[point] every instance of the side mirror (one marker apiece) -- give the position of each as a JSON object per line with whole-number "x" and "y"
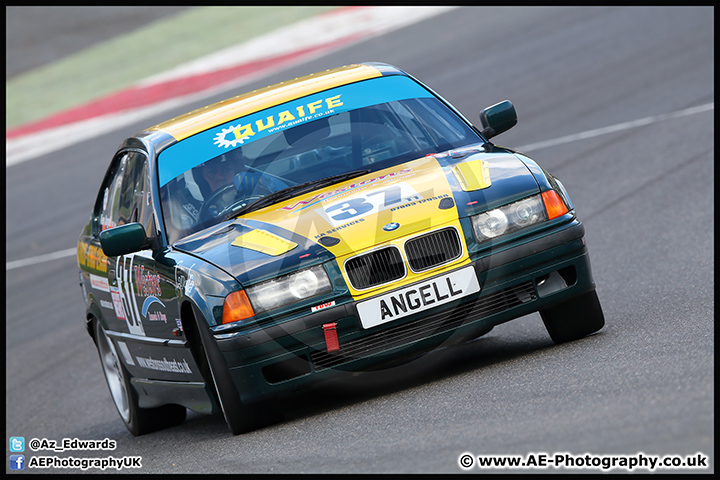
{"x": 497, "y": 119}
{"x": 124, "y": 239}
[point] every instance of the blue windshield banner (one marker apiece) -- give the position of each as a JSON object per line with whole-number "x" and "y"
{"x": 199, "y": 148}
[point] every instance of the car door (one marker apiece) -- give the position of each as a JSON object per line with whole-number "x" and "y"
{"x": 142, "y": 313}
{"x": 135, "y": 296}
{"x": 118, "y": 207}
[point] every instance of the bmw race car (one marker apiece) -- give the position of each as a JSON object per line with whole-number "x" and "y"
{"x": 336, "y": 222}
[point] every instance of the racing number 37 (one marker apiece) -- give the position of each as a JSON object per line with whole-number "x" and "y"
{"x": 372, "y": 202}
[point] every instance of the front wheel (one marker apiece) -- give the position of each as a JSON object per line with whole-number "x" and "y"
{"x": 240, "y": 417}
{"x": 137, "y": 420}
{"x": 575, "y": 318}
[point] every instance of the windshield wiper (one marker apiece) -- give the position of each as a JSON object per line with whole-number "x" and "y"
{"x": 294, "y": 190}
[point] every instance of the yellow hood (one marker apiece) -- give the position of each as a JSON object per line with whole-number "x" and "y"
{"x": 367, "y": 211}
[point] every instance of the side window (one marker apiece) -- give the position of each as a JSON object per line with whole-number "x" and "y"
{"x": 126, "y": 211}
{"x": 111, "y": 195}
{"x": 143, "y": 197}
{"x": 133, "y": 205}
{"x": 126, "y": 196}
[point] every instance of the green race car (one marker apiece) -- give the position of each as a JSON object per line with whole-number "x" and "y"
{"x": 336, "y": 222}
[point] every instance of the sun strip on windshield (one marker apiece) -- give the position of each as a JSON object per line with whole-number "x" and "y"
{"x": 206, "y": 145}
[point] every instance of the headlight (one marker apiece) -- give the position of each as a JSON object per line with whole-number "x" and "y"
{"x": 510, "y": 218}
{"x": 289, "y": 289}
{"x": 491, "y": 224}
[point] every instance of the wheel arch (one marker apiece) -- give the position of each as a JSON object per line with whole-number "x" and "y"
{"x": 93, "y": 313}
{"x": 190, "y": 327}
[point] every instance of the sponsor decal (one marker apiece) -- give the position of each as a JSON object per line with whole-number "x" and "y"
{"x": 164, "y": 365}
{"x": 419, "y": 202}
{"x": 118, "y": 304}
{"x": 303, "y": 204}
{"x": 370, "y": 202}
{"x": 148, "y": 302}
{"x": 126, "y": 291}
{"x": 337, "y": 229}
{"x": 184, "y": 281}
{"x": 147, "y": 284}
{"x": 99, "y": 283}
{"x": 203, "y": 146}
{"x": 106, "y": 304}
{"x": 93, "y": 258}
{"x": 157, "y": 317}
{"x": 233, "y": 136}
{"x": 317, "y": 308}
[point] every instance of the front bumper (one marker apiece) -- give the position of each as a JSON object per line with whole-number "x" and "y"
{"x": 514, "y": 282}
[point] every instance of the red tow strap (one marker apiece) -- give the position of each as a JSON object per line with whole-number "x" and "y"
{"x": 331, "y": 338}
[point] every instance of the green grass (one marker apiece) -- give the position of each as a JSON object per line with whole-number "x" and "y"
{"x": 119, "y": 63}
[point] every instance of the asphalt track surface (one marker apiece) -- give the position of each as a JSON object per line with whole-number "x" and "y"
{"x": 644, "y": 384}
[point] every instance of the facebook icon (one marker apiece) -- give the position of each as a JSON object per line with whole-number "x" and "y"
{"x": 17, "y": 462}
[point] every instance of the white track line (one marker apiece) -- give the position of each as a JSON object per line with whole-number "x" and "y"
{"x": 48, "y": 257}
{"x": 617, "y": 127}
{"x": 324, "y": 29}
{"x": 359, "y": 23}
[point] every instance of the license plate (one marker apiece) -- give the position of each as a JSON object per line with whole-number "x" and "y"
{"x": 418, "y": 297}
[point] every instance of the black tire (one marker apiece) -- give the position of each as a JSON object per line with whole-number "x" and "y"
{"x": 240, "y": 417}
{"x": 138, "y": 421}
{"x": 575, "y": 318}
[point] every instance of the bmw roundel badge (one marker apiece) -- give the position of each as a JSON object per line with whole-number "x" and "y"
{"x": 391, "y": 226}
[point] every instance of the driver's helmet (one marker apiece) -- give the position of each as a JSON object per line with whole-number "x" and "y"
{"x": 209, "y": 177}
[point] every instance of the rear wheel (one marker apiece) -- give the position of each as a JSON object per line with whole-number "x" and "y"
{"x": 575, "y": 318}
{"x": 137, "y": 420}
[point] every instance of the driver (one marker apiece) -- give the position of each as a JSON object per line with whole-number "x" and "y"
{"x": 218, "y": 174}
{"x": 206, "y": 191}
{"x": 202, "y": 183}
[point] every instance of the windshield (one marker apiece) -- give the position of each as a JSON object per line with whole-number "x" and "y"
{"x": 203, "y": 182}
